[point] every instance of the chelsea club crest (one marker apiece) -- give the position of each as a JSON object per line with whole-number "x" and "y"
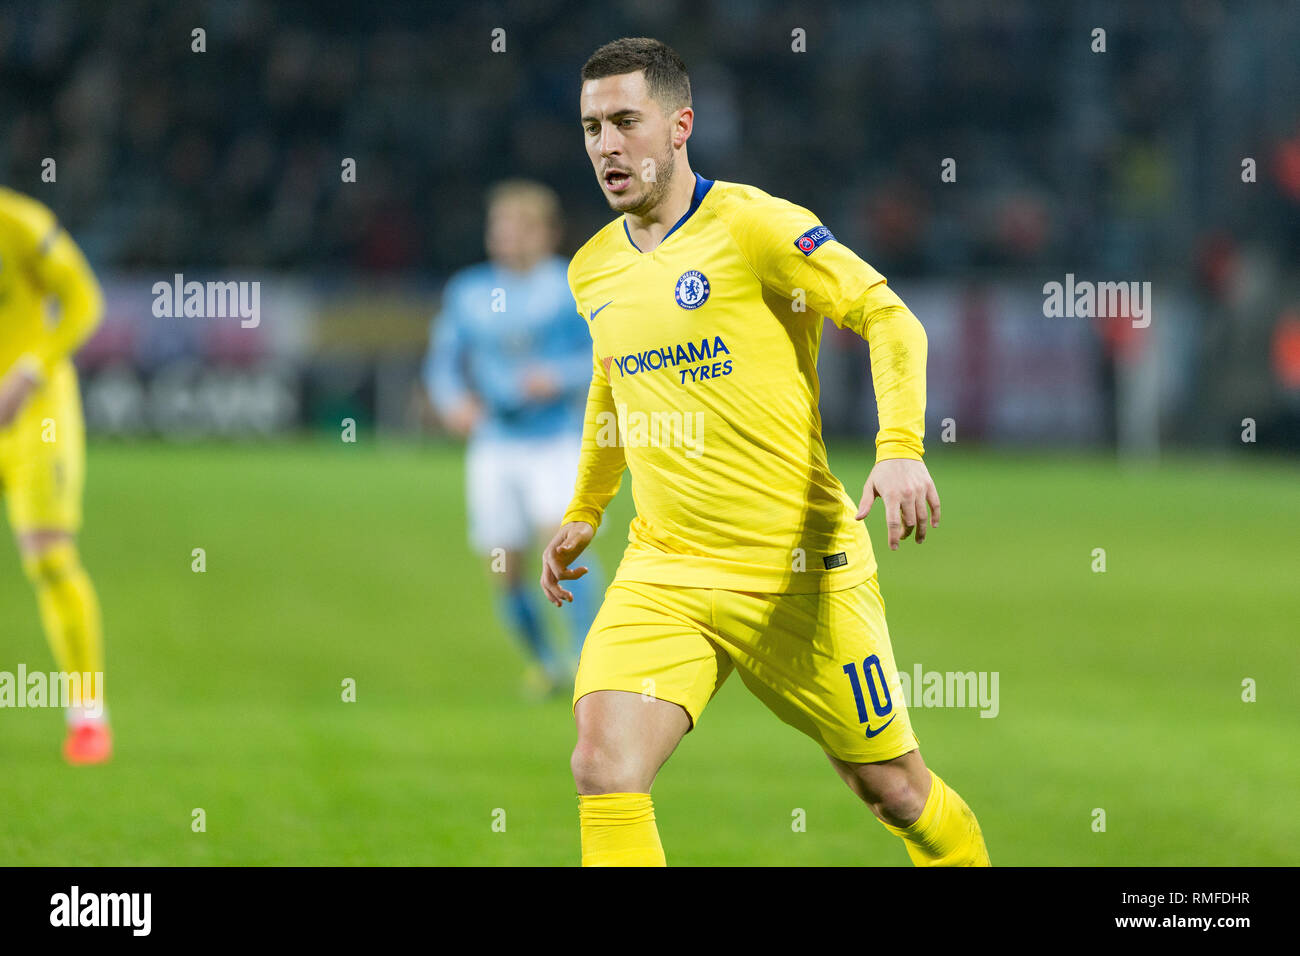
{"x": 692, "y": 289}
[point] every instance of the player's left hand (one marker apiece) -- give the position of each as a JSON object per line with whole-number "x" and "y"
{"x": 906, "y": 487}
{"x": 15, "y": 388}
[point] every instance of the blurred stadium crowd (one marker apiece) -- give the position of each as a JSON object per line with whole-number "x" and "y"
{"x": 1123, "y": 165}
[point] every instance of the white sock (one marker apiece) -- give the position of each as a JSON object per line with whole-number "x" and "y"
{"x": 86, "y": 715}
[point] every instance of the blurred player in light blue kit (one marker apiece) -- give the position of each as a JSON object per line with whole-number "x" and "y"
{"x": 508, "y": 367}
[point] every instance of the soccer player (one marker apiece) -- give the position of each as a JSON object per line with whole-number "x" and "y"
{"x": 508, "y": 367}
{"x": 49, "y": 305}
{"x": 704, "y": 300}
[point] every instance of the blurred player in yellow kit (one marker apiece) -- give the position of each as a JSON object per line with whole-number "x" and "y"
{"x": 704, "y": 301}
{"x": 50, "y": 302}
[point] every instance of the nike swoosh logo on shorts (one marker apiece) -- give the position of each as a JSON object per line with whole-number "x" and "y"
{"x": 872, "y": 733}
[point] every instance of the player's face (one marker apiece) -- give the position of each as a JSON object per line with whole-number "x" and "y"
{"x": 518, "y": 235}
{"x": 629, "y": 141}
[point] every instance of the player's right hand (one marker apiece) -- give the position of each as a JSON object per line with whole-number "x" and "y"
{"x": 569, "y": 542}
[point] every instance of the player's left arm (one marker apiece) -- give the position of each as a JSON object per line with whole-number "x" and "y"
{"x": 56, "y": 267}
{"x": 796, "y": 256}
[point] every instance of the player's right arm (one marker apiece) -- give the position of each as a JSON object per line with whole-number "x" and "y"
{"x": 600, "y": 472}
{"x": 56, "y": 267}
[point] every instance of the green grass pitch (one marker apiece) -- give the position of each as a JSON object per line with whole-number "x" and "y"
{"x": 1119, "y": 690}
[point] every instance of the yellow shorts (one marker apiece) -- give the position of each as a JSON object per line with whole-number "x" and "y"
{"x": 43, "y": 457}
{"x": 821, "y": 662}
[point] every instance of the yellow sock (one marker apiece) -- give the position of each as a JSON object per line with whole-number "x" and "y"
{"x": 946, "y": 833}
{"x": 618, "y": 829}
{"x": 70, "y": 615}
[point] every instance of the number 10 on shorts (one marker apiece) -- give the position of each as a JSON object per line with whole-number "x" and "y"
{"x": 873, "y": 675}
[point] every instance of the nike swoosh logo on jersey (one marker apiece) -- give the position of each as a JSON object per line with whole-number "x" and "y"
{"x": 872, "y": 733}
{"x": 597, "y": 312}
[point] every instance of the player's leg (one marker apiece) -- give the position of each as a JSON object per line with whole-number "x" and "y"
{"x": 69, "y": 611}
{"x": 499, "y": 529}
{"x": 647, "y": 671}
{"x": 914, "y": 803}
{"x": 550, "y": 487}
{"x": 895, "y": 790}
{"x": 623, "y": 740}
{"x": 44, "y": 502}
{"x": 823, "y": 663}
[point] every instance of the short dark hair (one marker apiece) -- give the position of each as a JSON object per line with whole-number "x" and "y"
{"x": 665, "y": 73}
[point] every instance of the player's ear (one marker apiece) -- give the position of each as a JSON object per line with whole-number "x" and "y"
{"x": 682, "y": 123}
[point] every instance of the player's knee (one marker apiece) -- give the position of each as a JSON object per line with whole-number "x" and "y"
{"x": 48, "y": 559}
{"x": 900, "y": 806}
{"x": 892, "y": 795}
{"x": 600, "y": 768}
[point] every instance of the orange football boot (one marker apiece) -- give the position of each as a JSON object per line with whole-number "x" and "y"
{"x": 88, "y": 742}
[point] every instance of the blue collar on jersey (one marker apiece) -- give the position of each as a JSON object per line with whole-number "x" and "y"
{"x": 702, "y": 186}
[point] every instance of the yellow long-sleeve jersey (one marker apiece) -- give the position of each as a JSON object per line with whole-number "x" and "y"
{"x": 50, "y": 302}
{"x": 704, "y": 386}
